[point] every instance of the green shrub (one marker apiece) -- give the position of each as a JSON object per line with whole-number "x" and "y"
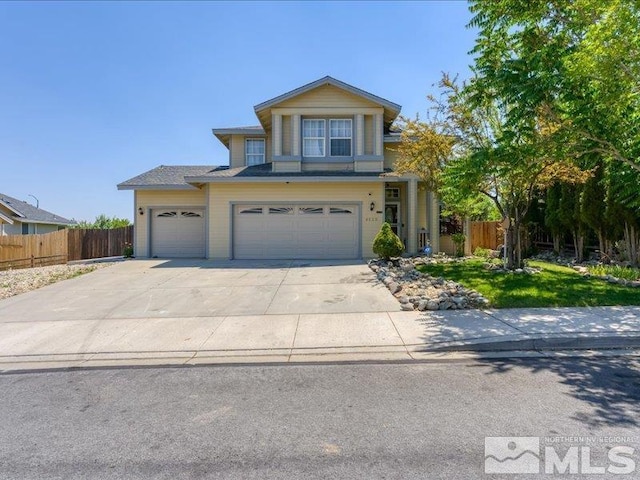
{"x": 458, "y": 240}
{"x": 127, "y": 250}
{"x": 483, "y": 252}
{"x": 387, "y": 244}
{"x": 626, "y": 273}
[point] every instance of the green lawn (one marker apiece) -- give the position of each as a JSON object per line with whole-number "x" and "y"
{"x": 555, "y": 286}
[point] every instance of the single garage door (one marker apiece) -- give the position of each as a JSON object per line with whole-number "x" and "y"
{"x": 177, "y": 232}
{"x": 296, "y": 231}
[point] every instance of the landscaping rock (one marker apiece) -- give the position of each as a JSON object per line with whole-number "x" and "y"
{"x": 394, "y": 287}
{"x": 419, "y": 290}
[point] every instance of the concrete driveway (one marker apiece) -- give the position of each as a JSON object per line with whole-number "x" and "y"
{"x": 193, "y": 288}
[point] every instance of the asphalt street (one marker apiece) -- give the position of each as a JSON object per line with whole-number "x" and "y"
{"x": 310, "y": 421}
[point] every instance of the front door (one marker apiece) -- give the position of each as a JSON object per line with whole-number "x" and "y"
{"x": 393, "y": 218}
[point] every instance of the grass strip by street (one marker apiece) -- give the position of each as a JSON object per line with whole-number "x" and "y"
{"x": 554, "y": 286}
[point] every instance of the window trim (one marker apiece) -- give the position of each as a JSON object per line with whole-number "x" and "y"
{"x": 324, "y": 138}
{"x": 246, "y": 151}
{"x": 350, "y": 138}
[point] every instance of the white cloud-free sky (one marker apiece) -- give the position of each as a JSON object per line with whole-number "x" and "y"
{"x": 94, "y": 93}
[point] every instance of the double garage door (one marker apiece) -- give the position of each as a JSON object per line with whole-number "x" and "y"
{"x": 178, "y": 232}
{"x": 300, "y": 231}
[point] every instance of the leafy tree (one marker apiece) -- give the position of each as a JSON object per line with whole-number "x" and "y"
{"x": 593, "y": 209}
{"x": 104, "y": 222}
{"x": 569, "y": 216}
{"x": 486, "y": 155}
{"x": 577, "y": 61}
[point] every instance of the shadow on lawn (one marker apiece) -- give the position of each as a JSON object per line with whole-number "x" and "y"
{"x": 554, "y": 286}
{"x": 611, "y": 386}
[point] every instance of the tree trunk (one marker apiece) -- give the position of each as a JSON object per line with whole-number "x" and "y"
{"x": 579, "y": 247}
{"x": 513, "y": 247}
{"x": 602, "y": 245}
{"x": 556, "y": 243}
{"x": 632, "y": 244}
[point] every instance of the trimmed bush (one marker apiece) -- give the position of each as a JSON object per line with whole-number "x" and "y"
{"x": 387, "y": 244}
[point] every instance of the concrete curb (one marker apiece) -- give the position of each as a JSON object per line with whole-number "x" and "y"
{"x": 547, "y": 342}
{"x": 542, "y": 348}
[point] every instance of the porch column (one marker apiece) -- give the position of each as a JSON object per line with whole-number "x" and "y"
{"x": 412, "y": 216}
{"x": 378, "y": 134}
{"x": 277, "y": 135}
{"x": 359, "y": 135}
{"x": 295, "y": 135}
{"x": 434, "y": 222}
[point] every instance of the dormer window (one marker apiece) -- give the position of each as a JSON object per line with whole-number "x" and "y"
{"x": 313, "y": 133}
{"x": 340, "y": 137}
{"x": 254, "y": 151}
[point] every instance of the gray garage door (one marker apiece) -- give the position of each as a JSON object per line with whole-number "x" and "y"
{"x": 177, "y": 232}
{"x": 296, "y": 231}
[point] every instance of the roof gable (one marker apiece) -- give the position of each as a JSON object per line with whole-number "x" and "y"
{"x": 328, "y": 81}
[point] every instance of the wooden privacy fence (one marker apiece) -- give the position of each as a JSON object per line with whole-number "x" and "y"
{"x": 24, "y": 251}
{"x": 485, "y": 235}
{"x": 96, "y": 243}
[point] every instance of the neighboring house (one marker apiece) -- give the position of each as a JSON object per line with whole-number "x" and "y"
{"x": 314, "y": 180}
{"x": 21, "y": 218}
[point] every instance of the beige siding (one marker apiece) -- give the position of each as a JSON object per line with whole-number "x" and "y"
{"x": 237, "y": 147}
{"x": 390, "y": 156}
{"x": 327, "y": 96}
{"x": 286, "y": 166}
{"x": 286, "y": 135}
{"x": 368, "y": 166}
{"x": 223, "y": 195}
{"x": 323, "y": 166}
{"x": 446, "y": 245}
{"x": 368, "y": 135}
{"x": 149, "y": 199}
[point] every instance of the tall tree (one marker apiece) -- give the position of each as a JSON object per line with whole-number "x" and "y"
{"x": 485, "y": 155}
{"x": 577, "y": 61}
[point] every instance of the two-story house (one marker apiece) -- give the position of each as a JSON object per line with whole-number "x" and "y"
{"x": 314, "y": 180}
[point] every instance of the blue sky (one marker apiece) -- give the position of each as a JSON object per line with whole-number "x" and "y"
{"x": 94, "y": 93}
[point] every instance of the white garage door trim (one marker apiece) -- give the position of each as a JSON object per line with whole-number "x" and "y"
{"x": 251, "y": 240}
{"x": 185, "y": 237}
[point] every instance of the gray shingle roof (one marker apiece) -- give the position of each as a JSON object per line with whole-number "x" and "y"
{"x": 167, "y": 176}
{"x": 29, "y": 213}
{"x": 264, "y": 170}
{"x": 251, "y": 129}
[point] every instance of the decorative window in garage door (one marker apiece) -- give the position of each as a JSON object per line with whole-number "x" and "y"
{"x": 250, "y": 210}
{"x": 281, "y": 210}
{"x": 191, "y": 214}
{"x": 311, "y": 210}
{"x": 167, "y": 214}
{"x": 340, "y": 210}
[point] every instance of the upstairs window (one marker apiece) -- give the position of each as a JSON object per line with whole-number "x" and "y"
{"x": 313, "y": 134}
{"x": 340, "y": 137}
{"x": 255, "y": 151}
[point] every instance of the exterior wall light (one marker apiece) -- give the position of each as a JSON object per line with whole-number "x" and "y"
{"x": 372, "y": 206}
{"x": 140, "y": 211}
